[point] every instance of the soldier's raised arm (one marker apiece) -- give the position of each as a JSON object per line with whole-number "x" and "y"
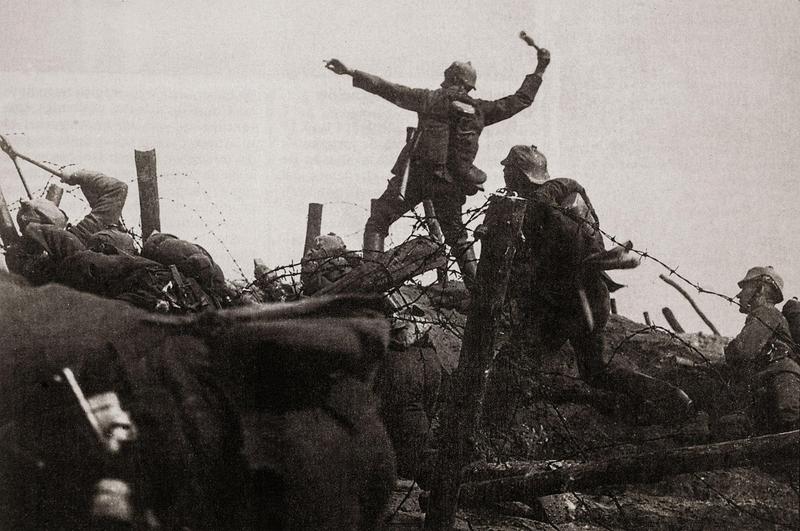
{"x": 411, "y": 99}
{"x": 499, "y": 110}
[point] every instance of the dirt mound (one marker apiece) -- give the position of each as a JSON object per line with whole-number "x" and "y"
{"x": 560, "y": 418}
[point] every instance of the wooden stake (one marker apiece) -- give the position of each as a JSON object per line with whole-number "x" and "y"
{"x": 147, "y": 178}
{"x": 54, "y": 193}
{"x": 691, "y": 301}
{"x": 673, "y": 322}
{"x": 647, "y": 320}
{"x": 613, "y": 306}
{"x": 313, "y": 225}
{"x": 461, "y": 414}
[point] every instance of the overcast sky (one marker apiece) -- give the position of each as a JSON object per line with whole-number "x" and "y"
{"x": 680, "y": 118}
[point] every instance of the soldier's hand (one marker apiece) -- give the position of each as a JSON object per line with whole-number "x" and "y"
{"x": 543, "y": 56}
{"x": 5, "y": 146}
{"x": 337, "y": 67}
{"x": 67, "y": 177}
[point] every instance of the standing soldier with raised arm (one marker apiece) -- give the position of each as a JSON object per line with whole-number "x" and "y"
{"x": 437, "y": 161}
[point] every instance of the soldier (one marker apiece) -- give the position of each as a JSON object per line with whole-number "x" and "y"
{"x": 436, "y": 162}
{"x": 325, "y": 262}
{"x": 761, "y": 353}
{"x": 48, "y": 238}
{"x": 558, "y": 296}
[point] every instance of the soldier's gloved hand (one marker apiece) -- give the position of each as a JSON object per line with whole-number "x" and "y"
{"x": 69, "y": 177}
{"x": 543, "y": 56}
{"x": 337, "y": 67}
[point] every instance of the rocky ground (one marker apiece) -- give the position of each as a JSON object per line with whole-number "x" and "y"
{"x": 568, "y": 422}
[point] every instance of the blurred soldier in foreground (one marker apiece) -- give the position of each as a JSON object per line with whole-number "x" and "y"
{"x": 259, "y": 418}
{"x": 561, "y": 290}
{"x": 762, "y": 353}
{"x": 437, "y": 160}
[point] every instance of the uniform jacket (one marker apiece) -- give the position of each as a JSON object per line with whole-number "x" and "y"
{"x": 433, "y": 108}
{"x": 763, "y": 325}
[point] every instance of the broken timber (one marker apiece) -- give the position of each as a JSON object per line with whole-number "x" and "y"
{"x": 639, "y": 468}
{"x": 673, "y": 322}
{"x": 691, "y": 301}
{"x": 390, "y": 269}
{"x": 462, "y": 410}
{"x": 54, "y": 193}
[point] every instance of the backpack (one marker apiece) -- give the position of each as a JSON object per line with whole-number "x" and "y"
{"x": 791, "y": 311}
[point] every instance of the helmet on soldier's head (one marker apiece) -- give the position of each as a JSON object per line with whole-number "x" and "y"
{"x": 112, "y": 241}
{"x": 461, "y": 74}
{"x": 530, "y": 161}
{"x": 764, "y": 274}
{"x": 41, "y": 211}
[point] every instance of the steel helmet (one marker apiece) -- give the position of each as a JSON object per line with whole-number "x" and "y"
{"x": 530, "y": 161}
{"x": 764, "y": 274}
{"x": 462, "y": 73}
{"x": 41, "y": 211}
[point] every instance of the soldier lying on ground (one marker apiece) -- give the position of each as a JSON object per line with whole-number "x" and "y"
{"x": 559, "y": 297}
{"x": 234, "y": 420}
{"x": 761, "y": 354}
{"x": 438, "y": 158}
{"x": 193, "y": 261}
{"x": 47, "y": 237}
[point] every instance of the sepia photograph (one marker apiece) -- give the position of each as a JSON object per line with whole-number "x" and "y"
{"x": 478, "y": 265}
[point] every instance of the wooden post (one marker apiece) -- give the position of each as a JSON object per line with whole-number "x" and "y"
{"x": 8, "y": 232}
{"x": 543, "y": 480}
{"x": 461, "y": 415}
{"x": 691, "y": 301}
{"x": 670, "y": 317}
{"x": 54, "y": 193}
{"x": 313, "y": 225}
{"x": 647, "y": 320}
{"x": 613, "y": 306}
{"x": 147, "y": 179}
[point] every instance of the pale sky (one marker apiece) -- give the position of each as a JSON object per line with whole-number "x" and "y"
{"x": 680, "y": 118}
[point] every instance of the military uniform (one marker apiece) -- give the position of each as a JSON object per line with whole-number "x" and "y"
{"x": 44, "y": 231}
{"x": 550, "y": 276}
{"x": 430, "y": 172}
{"x": 762, "y": 356}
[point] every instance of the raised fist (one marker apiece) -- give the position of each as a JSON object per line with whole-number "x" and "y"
{"x": 543, "y": 56}
{"x": 337, "y": 67}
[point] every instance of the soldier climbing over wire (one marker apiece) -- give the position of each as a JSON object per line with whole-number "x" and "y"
{"x": 437, "y": 160}
{"x": 561, "y": 292}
